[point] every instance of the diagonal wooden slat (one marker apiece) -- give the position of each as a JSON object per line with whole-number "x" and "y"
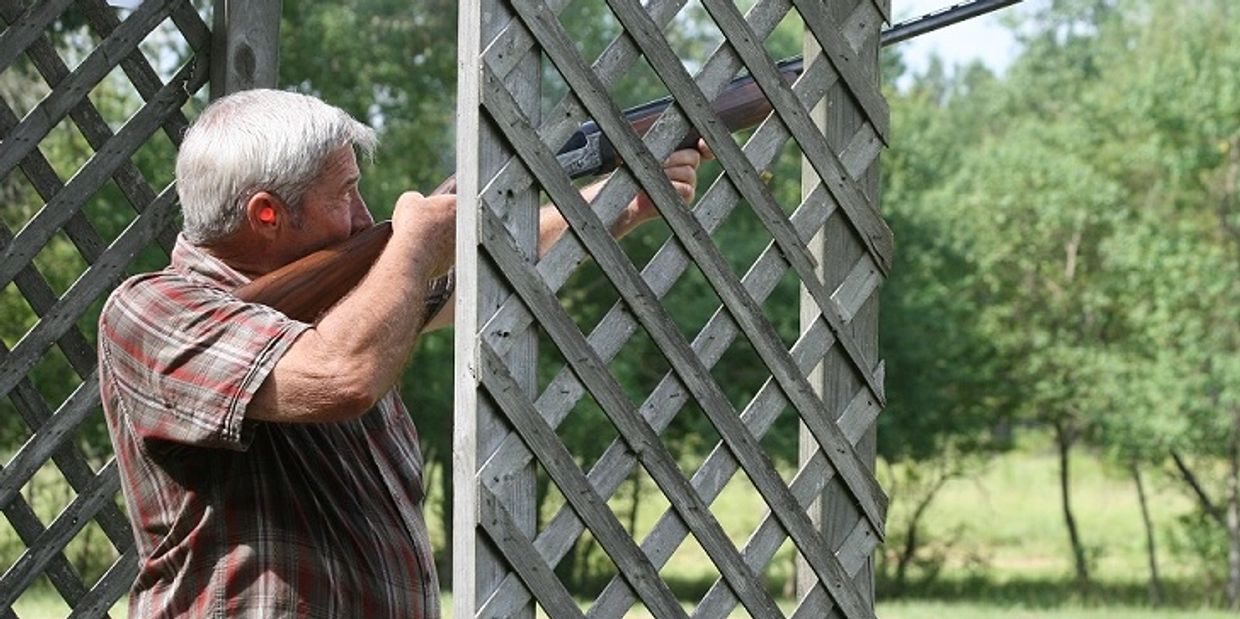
{"x": 102, "y": 18}
{"x": 807, "y": 485}
{"x": 870, "y": 227}
{"x": 41, "y": 298}
{"x": 99, "y": 277}
{"x": 26, "y": 26}
{"x": 35, "y": 234}
{"x": 863, "y": 88}
{"x": 713, "y": 207}
{"x": 114, "y": 583}
{"x": 95, "y": 129}
{"x": 519, "y": 552}
{"x": 72, "y": 90}
{"x": 719, "y": 467}
{"x": 46, "y": 183}
{"x": 664, "y": 61}
{"x": 864, "y": 217}
{"x": 29, "y": 403}
{"x": 558, "y": 264}
{"x": 708, "y": 257}
{"x": 640, "y": 437}
{"x": 60, "y": 572}
{"x": 614, "y": 466}
{"x": 563, "y": 470}
{"x": 667, "y": 337}
{"x": 661, "y": 272}
{"x": 51, "y": 437}
{"x": 53, "y": 540}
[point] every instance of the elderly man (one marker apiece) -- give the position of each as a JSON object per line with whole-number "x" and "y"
{"x": 268, "y": 465}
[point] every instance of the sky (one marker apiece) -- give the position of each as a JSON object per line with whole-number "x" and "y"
{"x": 983, "y": 38}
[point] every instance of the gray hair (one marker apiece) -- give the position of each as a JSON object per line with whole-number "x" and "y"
{"x": 257, "y": 140}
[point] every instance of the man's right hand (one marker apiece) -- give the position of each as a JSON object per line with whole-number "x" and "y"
{"x": 430, "y": 222}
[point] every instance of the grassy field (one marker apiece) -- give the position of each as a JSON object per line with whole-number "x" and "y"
{"x": 999, "y": 535}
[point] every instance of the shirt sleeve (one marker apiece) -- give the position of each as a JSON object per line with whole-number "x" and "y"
{"x": 185, "y": 359}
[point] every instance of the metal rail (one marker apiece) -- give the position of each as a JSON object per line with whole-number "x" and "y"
{"x": 941, "y": 18}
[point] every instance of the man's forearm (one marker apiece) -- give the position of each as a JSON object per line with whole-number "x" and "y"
{"x": 344, "y": 364}
{"x": 552, "y": 226}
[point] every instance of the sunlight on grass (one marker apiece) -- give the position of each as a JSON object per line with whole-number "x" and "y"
{"x": 942, "y": 610}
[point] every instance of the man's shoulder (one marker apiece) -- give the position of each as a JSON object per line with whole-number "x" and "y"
{"x": 153, "y": 297}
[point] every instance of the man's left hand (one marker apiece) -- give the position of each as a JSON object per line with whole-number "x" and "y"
{"x": 681, "y": 169}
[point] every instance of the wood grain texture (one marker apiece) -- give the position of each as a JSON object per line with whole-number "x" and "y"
{"x": 539, "y": 577}
{"x": 845, "y": 258}
{"x": 24, "y": 27}
{"x": 563, "y": 470}
{"x": 71, "y": 91}
{"x": 92, "y": 176}
{"x": 52, "y": 435}
{"x": 96, "y": 280}
{"x": 690, "y": 233}
{"x": 304, "y": 289}
{"x": 245, "y": 46}
{"x": 628, "y": 282}
{"x": 640, "y": 437}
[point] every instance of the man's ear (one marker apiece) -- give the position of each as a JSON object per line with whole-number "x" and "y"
{"x": 266, "y": 214}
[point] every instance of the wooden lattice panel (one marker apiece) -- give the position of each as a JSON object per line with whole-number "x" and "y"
{"x": 505, "y": 562}
{"x": 104, "y": 211}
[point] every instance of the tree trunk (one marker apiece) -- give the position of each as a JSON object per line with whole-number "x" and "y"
{"x": 636, "y": 495}
{"x": 1233, "y": 515}
{"x": 1190, "y": 478}
{"x": 912, "y": 542}
{"x": 1064, "y": 439}
{"x": 1156, "y": 593}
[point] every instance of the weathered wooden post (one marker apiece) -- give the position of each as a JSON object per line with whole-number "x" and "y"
{"x": 245, "y": 47}
{"x": 506, "y": 154}
{"x": 480, "y": 430}
{"x": 854, "y": 126}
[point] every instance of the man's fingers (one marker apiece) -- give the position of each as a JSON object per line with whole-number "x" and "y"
{"x": 682, "y": 173}
{"x": 683, "y": 157}
{"x": 704, "y": 149}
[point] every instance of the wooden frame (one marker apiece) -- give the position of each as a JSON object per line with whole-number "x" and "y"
{"x": 835, "y": 242}
{"x": 52, "y": 424}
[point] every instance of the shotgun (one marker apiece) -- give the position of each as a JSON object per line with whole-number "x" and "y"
{"x": 305, "y": 288}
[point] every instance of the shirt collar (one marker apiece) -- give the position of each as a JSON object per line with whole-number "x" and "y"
{"x": 194, "y": 262}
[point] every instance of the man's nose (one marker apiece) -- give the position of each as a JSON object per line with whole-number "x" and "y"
{"x": 362, "y": 219}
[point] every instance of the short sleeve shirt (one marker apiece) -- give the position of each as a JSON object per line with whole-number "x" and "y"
{"x": 235, "y": 517}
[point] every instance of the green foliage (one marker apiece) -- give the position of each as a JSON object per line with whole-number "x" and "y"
{"x": 1068, "y": 234}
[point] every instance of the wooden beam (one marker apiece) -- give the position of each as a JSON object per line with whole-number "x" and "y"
{"x": 245, "y": 50}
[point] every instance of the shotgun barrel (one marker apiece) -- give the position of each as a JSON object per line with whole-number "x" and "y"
{"x": 304, "y": 289}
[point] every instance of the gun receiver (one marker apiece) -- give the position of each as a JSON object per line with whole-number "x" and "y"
{"x": 306, "y": 288}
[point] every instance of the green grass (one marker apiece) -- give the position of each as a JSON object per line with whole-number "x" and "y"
{"x": 968, "y": 610}
{"x": 1009, "y": 520}
{"x": 999, "y": 535}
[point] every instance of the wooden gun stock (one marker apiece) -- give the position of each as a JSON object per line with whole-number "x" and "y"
{"x": 305, "y": 288}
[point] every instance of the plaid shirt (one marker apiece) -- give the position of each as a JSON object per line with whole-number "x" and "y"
{"x": 234, "y": 517}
